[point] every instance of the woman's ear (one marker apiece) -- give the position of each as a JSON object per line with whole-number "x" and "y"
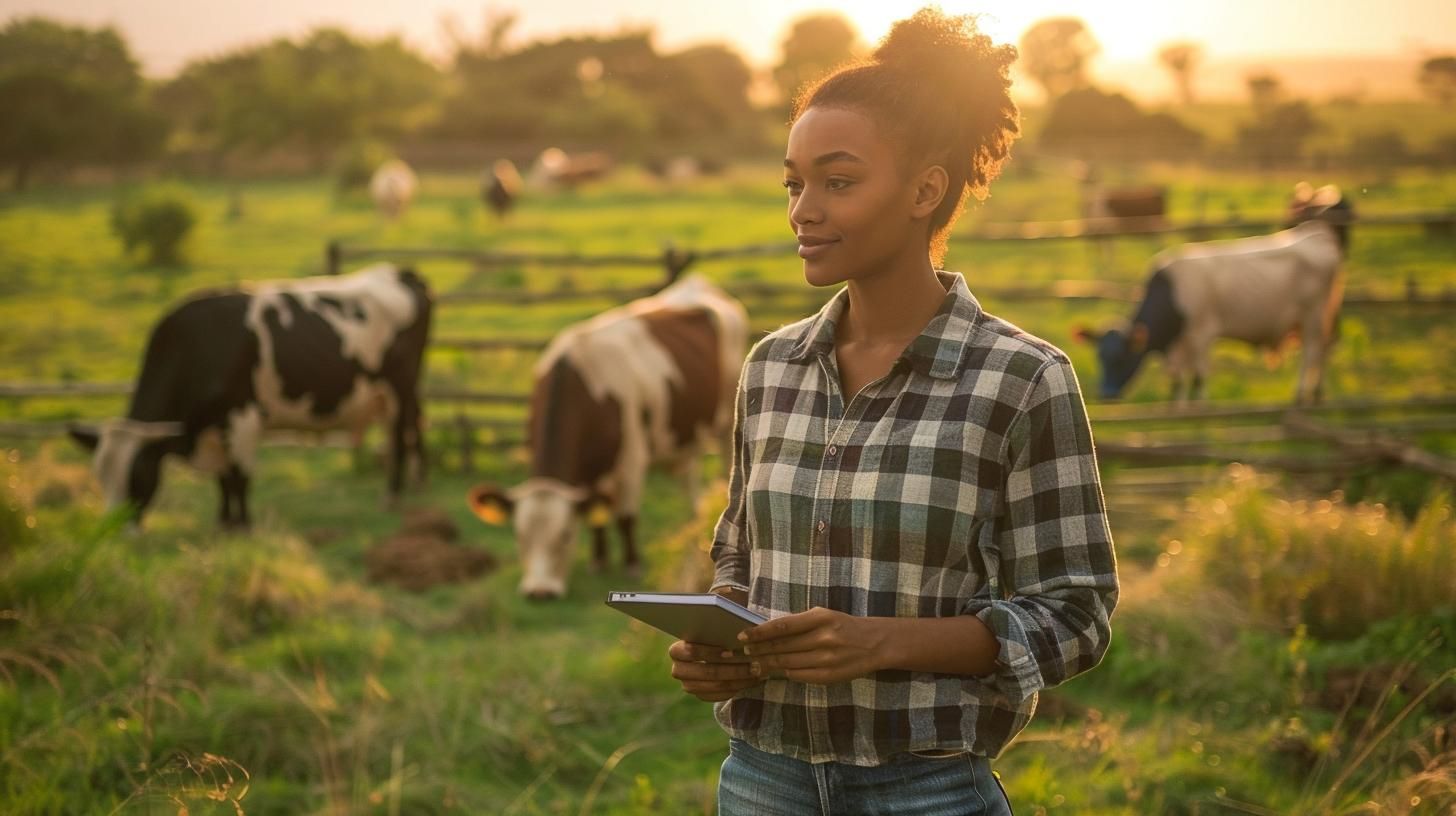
{"x": 930, "y": 189}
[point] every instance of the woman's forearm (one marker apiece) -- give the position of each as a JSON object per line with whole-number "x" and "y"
{"x": 954, "y": 645}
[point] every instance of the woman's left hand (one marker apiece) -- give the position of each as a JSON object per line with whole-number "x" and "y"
{"x": 818, "y": 646}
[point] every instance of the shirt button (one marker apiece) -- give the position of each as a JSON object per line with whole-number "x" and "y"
{"x": 821, "y": 525}
{"x": 833, "y": 449}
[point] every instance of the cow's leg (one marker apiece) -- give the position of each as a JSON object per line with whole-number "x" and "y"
{"x": 235, "y": 498}
{"x": 1313, "y": 339}
{"x": 599, "y": 549}
{"x": 627, "y": 526}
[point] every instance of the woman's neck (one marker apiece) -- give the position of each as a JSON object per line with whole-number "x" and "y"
{"x": 893, "y": 307}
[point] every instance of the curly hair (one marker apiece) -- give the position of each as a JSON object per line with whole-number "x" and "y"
{"x": 940, "y": 91}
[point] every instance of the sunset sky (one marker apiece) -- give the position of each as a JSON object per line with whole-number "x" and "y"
{"x": 166, "y": 33}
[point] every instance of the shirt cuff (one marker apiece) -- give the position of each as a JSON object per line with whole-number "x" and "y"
{"x": 1017, "y": 674}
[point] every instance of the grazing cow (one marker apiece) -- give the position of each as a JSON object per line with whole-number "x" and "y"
{"x": 500, "y": 187}
{"x": 393, "y": 188}
{"x": 649, "y": 382}
{"x": 555, "y": 168}
{"x": 1259, "y": 290}
{"x": 309, "y": 354}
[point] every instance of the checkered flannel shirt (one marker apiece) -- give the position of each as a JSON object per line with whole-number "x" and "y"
{"x": 961, "y": 483}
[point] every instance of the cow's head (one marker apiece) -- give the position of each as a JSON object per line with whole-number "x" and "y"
{"x": 545, "y": 513}
{"x": 127, "y": 459}
{"x": 1325, "y": 204}
{"x": 1119, "y": 353}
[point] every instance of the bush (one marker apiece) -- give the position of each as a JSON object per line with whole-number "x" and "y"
{"x": 355, "y": 164}
{"x": 157, "y": 221}
{"x": 1333, "y": 567}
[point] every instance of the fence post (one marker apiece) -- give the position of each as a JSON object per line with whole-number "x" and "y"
{"x": 675, "y": 261}
{"x": 332, "y": 257}
{"x": 467, "y": 442}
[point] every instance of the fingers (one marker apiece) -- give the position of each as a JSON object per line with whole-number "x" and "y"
{"x": 780, "y": 664}
{"x": 815, "y": 639}
{"x": 716, "y": 692}
{"x": 701, "y": 652}
{"x": 788, "y": 625}
{"x": 711, "y": 672}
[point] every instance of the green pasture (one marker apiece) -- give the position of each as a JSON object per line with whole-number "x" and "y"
{"x": 1277, "y": 649}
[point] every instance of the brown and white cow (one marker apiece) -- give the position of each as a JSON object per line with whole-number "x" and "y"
{"x": 225, "y": 366}
{"x": 646, "y": 383}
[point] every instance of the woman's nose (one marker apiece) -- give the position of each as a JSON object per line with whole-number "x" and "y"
{"x": 805, "y": 210}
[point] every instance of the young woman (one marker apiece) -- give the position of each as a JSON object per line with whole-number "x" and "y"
{"x": 914, "y": 499}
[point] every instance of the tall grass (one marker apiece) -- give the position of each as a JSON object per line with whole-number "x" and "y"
{"x": 1332, "y": 567}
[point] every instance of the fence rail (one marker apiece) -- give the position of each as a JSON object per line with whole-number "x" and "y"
{"x": 674, "y": 259}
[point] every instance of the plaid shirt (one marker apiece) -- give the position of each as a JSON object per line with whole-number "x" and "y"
{"x": 961, "y": 483}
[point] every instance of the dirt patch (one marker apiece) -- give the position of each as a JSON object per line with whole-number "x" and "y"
{"x": 422, "y": 554}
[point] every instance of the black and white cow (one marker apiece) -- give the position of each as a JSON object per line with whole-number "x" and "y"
{"x": 224, "y": 366}
{"x": 1259, "y": 290}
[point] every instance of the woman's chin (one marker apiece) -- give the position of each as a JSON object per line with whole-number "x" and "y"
{"x": 819, "y": 274}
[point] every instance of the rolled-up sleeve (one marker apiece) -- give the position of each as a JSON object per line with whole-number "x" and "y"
{"x": 1050, "y": 599}
{"x": 731, "y": 551}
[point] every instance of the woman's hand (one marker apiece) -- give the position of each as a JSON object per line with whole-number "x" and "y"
{"x": 817, "y": 646}
{"x": 710, "y": 673}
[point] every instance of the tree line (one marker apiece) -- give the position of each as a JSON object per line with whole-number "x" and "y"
{"x": 74, "y": 95}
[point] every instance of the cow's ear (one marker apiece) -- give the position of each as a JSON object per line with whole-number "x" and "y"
{"x": 596, "y": 510}
{"x": 84, "y": 436}
{"x": 1138, "y": 338}
{"x": 490, "y": 504}
{"x": 1082, "y": 334}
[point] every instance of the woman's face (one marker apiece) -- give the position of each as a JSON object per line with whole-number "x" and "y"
{"x": 850, "y": 204}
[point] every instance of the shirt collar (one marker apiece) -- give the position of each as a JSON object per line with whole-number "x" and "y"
{"x": 939, "y": 349}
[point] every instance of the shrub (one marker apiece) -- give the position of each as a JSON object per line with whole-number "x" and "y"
{"x": 157, "y": 221}
{"x": 355, "y": 164}
{"x": 1333, "y": 567}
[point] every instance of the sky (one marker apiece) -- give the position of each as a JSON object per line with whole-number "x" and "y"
{"x": 164, "y": 34}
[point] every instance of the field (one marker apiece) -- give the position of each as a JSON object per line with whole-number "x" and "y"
{"x": 1277, "y": 649}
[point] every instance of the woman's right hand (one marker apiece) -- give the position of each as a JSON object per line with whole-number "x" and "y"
{"x": 710, "y": 673}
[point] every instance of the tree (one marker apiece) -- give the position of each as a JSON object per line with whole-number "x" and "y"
{"x": 1278, "y": 136}
{"x": 814, "y": 45}
{"x": 1438, "y": 78}
{"x": 1055, "y": 53}
{"x": 1181, "y": 59}
{"x": 70, "y": 95}
{"x": 1265, "y": 91}
{"x": 1092, "y": 124}
{"x": 316, "y": 95}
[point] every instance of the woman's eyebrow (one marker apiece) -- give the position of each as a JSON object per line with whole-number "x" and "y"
{"x": 827, "y": 158}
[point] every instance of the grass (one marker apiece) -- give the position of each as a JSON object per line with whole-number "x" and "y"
{"x": 188, "y": 668}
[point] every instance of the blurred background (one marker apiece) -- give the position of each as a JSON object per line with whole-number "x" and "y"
{"x": 1286, "y": 634}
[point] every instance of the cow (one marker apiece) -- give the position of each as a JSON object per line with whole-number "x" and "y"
{"x": 500, "y": 187}
{"x": 556, "y": 168}
{"x": 649, "y": 382}
{"x": 224, "y": 366}
{"x": 393, "y": 188}
{"x": 1259, "y": 290}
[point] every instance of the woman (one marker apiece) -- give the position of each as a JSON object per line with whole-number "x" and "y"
{"x": 914, "y": 498}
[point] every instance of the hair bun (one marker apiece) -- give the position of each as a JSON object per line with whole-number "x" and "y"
{"x": 930, "y": 43}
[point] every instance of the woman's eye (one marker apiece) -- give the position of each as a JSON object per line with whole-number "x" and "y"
{"x": 838, "y": 183}
{"x": 791, "y": 186}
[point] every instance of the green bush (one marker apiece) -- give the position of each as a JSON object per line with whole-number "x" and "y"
{"x": 355, "y": 164}
{"x": 156, "y": 221}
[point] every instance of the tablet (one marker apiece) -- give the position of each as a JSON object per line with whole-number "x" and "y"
{"x": 695, "y": 617}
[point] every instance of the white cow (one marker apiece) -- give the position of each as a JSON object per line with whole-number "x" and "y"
{"x": 1260, "y": 290}
{"x": 393, "y": 188}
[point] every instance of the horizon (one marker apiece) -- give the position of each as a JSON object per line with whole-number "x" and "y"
{"x": 164, "y": 36}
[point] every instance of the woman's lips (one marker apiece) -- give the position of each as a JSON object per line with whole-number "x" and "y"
{"x": 812, "y": 248}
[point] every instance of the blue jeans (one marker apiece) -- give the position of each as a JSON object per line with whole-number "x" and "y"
{"x": 756, "y": 783}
